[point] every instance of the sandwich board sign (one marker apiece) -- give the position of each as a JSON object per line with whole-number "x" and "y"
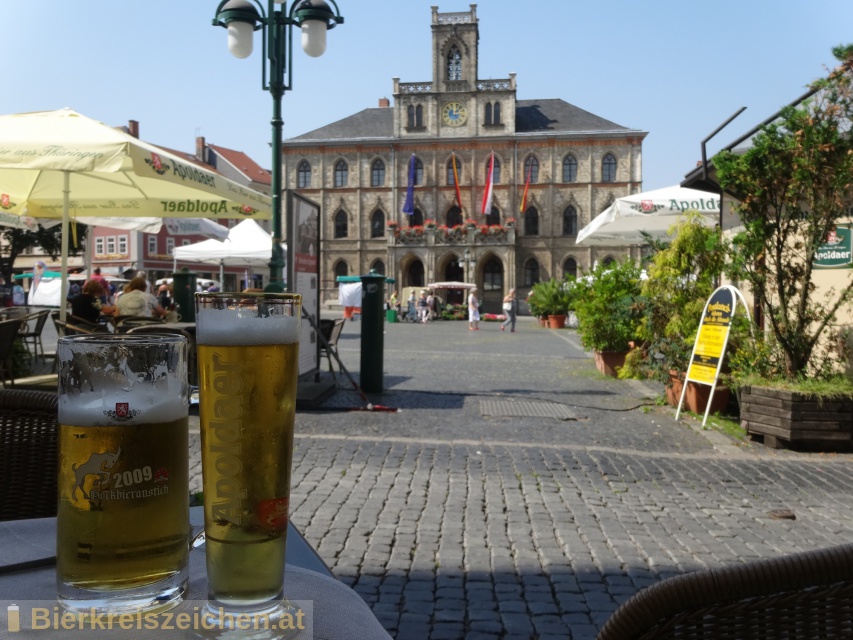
{"x": 711, "y": 341}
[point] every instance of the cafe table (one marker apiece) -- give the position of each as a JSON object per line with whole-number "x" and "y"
{"x": 331, "y": 609}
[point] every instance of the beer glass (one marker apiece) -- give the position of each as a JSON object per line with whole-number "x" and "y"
{"x": 248, "y": 352}
{"x": 122, "y": 539}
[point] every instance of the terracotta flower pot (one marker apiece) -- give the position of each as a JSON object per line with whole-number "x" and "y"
{"x": 609, "y": 362}
{"x": 557, "y": 322}
{"x": 673, "y": 390}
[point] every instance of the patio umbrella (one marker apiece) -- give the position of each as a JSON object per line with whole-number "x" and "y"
{"x": 450, "y": 285}
{"x": 653, "y": 212}
{"x": 55, "y": 163}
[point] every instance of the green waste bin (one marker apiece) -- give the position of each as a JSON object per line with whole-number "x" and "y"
{"x": 183, "y": 292}
{"x": 391, "y": 315}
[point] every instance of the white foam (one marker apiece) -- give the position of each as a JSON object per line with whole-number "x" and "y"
{"x": 243, "y": 327}
{"x": 154, "y": 403}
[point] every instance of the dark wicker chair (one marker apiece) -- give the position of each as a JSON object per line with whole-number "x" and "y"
{"x": 28, "y": 454}
{"x": 800, "y": 596}
{"x": 31, "y": 331}
{"x": 123, "y": 324}
{"x": 10, "y": 331}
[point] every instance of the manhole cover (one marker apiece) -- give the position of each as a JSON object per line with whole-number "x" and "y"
{"x": 525, "y": 409}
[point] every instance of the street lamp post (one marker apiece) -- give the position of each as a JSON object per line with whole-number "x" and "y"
{"x": 241, "y": 18}
{"x": 470, "y": 264}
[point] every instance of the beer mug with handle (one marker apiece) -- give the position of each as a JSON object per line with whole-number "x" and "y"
{"x": 248, "y": 352}
{"x": 123, "y": 522}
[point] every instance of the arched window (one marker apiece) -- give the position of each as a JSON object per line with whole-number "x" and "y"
{"x": 531, "y": 222}
{"x": 493, "y": 275}
{"x": 496, "y": 113}
{"x": 419, "y": 116}
{"x": 378, "y": 266}
{"x": 341, "y": 269}
{"x": 531, "y": 272}
{"x": 377, "y": 224}
{"x": 608, "y": 261}
{"x": 531, "y": 168}
{"x": 377, "y": 173}
{"x": 415, "y": 274}
{"x": 570, "y": 268}
{"x": 450, "y": 179}
{"x": 341, "y": 173}
{"x": 570, "y": 221}
{"x": 608, "y": 168}
{"x": 454, "y": 64}
{"x": 496, "y": 174}
{"x": 570, "y": 169}
{"x": 488, "y": 115}
{"x": 303, "y": 175}
{"x": 494, "y": 216}
{"x": 416, "y": 219}
{"x": 341, "y": 225}
{"x": 410, "y": 116}
{"x": 419, "y": 171}
{"x": 454, "y": 216}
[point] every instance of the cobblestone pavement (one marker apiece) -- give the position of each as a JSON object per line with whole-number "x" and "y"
{"x": 455, "y": 524}
{"x": 519, "y": 494}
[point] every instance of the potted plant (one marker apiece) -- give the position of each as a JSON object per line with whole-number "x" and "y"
{"x": 681, "y": 275}
{"x": 794, "y": 185}
{"x": 552, "y": 299}
{"x": 605, "y": 304}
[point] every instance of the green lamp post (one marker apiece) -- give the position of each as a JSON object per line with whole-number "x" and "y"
{"x": 241, "y": 18}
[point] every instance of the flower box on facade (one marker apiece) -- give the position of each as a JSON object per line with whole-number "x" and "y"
{"x": 790, "y": 419}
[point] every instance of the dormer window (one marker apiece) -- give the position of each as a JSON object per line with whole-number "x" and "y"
{"x": 454, "y": 64}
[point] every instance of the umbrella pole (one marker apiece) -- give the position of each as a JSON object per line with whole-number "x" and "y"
{"x": 66, "y": 204}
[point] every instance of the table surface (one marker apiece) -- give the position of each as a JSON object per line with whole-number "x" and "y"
{"x": 332, "y": 610}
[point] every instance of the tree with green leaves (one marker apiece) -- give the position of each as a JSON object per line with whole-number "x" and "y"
{"x": 16, "y": 241}
{"x": 794, "y": 185}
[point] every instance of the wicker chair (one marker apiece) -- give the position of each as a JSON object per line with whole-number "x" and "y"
{"x": 801, "y": 596}
{"x": 331, "y": 331}
{"x": 28, "y": 454}
{"x": 10, "y": 331}
{"x": 31, "y": 333}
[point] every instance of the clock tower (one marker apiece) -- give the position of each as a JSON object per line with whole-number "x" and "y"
{"x": 455, "y": 103}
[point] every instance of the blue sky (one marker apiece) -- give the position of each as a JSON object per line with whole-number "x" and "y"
{"x": 676, "y": 69}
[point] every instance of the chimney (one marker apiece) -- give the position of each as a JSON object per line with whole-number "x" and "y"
{"x": 384, "y": 103}
{"x": 133, "y": 128}
{"x": 200, "y": 145}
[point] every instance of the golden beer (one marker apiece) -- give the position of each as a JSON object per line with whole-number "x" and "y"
{"x": 123, "y": 504}
{"x": 248, "y": 367}
{"x": 123, "y": 530}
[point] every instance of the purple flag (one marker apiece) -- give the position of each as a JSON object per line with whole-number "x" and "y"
{"x": 409, "y": 204}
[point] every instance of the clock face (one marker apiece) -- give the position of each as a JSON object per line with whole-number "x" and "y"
{"x": 454, "y": 114}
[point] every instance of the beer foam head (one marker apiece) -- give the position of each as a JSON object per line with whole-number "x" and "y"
{"x": 243, "y": 326}
{"x": 115, "y": 380}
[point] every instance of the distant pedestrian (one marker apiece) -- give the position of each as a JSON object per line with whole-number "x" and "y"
{"x": 432, "y": 305}
{"x": 473, "y": 311}
{"x": 510, "y": 308}
{"x": 423, "y": 308}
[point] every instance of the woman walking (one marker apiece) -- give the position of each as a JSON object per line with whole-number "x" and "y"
{"x": 510, "y": 307}
{"x": 473, "y": 311}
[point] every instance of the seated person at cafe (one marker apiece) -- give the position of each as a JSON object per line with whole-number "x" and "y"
{"x": 87, "y": 304}
{"x": 136, "y": 301}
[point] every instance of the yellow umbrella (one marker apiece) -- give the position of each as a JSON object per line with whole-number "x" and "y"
{"x": 53, "y": 163}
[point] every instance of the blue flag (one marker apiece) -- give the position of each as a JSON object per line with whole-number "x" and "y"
{"x": 409, "y": 204}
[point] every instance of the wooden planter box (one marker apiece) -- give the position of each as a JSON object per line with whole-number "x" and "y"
{"x": 792, "y": 420}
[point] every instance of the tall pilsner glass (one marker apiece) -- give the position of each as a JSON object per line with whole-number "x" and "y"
{"x": 123, "y": 522}
{"x": 248, "y": 352}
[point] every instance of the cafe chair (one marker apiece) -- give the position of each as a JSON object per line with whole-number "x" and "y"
{"x": 31, "y": 330}
{"x": 10, "y": 332}
{"x": 123, "y": 324}
{"x": 28, "y": 454}
{"x": 331, "y": 331}
{"x": 796, "y": 597}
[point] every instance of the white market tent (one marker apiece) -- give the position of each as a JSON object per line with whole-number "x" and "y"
{"x": 652, "y": 212}
{"x": 247, "y": 245}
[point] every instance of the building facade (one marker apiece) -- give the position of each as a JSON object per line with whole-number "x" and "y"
{"x": 553, "y": 168}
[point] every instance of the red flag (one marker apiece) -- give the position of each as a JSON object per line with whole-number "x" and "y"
{"x": 526, "y": 187}
{"x": 487, "y": 194}
{"x": 456, "y": 183}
